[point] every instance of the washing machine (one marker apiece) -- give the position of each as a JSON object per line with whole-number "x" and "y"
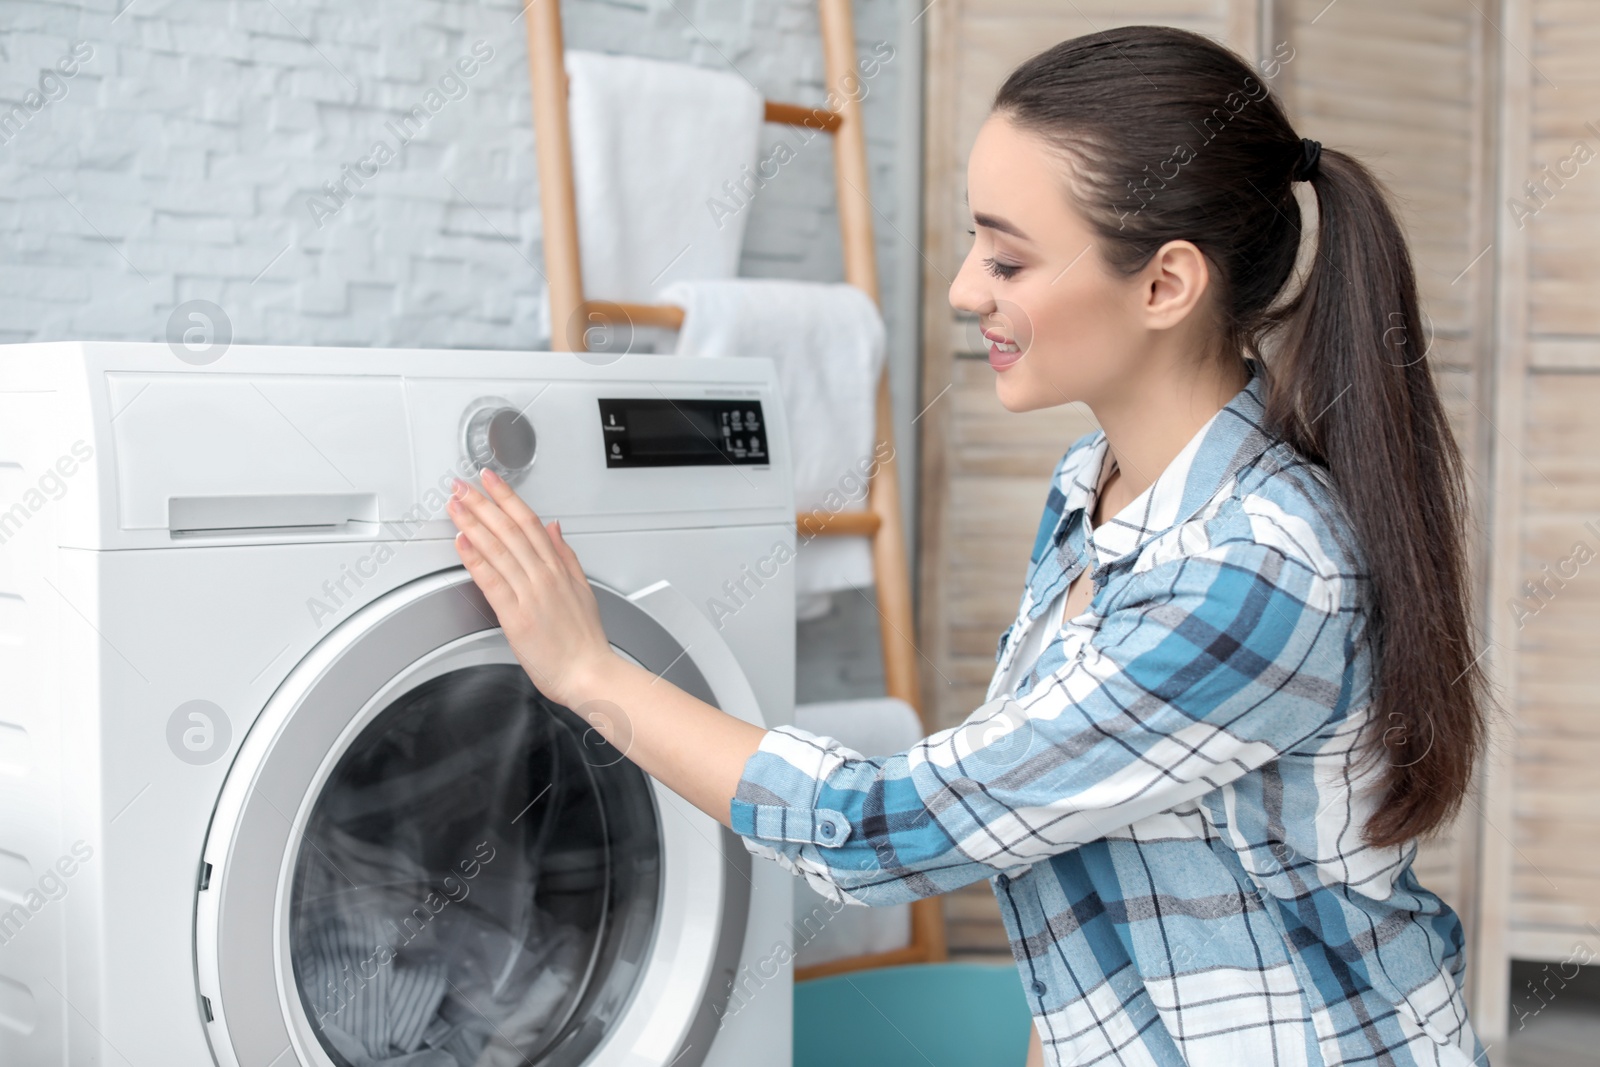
{"x": 275, "y": 790}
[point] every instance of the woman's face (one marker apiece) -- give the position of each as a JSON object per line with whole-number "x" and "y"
{"x": 1077, "y": 324}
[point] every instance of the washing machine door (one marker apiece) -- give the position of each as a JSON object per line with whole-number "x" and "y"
{"x": 419, "y": 860}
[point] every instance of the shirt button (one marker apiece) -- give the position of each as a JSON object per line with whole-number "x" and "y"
{"x": 1038, "y": 987}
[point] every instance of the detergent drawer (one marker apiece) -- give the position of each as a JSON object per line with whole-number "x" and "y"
{"x": 216, "y": 452}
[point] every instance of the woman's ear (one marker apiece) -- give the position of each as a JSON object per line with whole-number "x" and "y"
{"x": 1173, "y": 283}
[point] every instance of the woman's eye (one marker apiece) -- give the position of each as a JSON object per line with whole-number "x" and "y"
{"x": 1004, "y": 271}
{"x": 1001, "y": 270}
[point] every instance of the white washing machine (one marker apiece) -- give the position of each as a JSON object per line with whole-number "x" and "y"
{"x": 273, "y": 789}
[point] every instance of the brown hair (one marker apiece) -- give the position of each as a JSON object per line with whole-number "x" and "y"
{"x": 1167, "y": 135}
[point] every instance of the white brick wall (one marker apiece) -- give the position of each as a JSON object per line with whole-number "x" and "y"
{"x": 177, "y": 160}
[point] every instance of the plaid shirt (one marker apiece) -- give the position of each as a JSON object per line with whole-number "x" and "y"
{"x": 1168, "y": 806}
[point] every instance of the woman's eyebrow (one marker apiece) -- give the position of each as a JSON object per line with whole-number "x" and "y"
{"x": 994, "y": 223}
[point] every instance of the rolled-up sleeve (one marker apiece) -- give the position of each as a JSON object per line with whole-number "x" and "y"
{"x": 1203, "y": 669}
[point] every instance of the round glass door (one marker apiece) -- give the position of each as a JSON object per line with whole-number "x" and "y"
{"x": 477, "y": 883}
{"x": 416, "y": 860}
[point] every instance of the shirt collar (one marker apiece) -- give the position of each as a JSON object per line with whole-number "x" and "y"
{"x": 1231, "y": 438}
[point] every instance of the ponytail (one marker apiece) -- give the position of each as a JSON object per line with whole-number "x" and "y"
{"x": 1170, "y": 136}
{"x": 1352, "y": 389}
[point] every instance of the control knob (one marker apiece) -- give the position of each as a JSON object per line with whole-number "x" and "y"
{"x": 497, "y": 435}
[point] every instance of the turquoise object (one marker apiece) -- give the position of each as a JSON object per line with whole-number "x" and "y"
{"x": 926, "y": 1015}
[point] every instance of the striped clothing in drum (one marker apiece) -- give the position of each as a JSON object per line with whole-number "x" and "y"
{"x": 1169, "y": 804}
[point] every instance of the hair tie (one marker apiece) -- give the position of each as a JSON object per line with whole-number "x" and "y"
{"x": 1310, "y": 153}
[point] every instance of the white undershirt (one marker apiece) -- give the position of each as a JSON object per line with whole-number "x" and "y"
{"x": 1044, "y": 628}
{"x": 1048, "y": 625}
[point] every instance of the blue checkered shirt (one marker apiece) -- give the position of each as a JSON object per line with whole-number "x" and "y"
{"x": 1168, "y": 805}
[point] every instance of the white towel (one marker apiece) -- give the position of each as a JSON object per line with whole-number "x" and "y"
{"x": 827, "y": 339}
{"x": 874, "y": 726}
{"x": 656, "y": 149}
{"x": 870, "y": 726}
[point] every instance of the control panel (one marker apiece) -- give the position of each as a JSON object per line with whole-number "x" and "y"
{"x": 278, "y": 444}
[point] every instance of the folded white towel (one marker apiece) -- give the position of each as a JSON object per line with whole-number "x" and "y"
{"x": 653, "y": 144}
{"x": 870, "y": 726}
{"x": 874, "y": 726}
{"x": 827, "y": 340}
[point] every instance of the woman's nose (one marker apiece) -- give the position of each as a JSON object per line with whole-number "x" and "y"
{"x": 967, "y": 292}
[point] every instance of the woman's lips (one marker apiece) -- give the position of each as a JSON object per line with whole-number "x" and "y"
{"x": 1000, "y": 360}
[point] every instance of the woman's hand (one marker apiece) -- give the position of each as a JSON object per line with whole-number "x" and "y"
{"x": 542, "y": 598}
{"x": 533, "y": 581}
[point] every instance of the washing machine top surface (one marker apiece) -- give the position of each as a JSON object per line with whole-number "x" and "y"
{"x": 272, "y": 443}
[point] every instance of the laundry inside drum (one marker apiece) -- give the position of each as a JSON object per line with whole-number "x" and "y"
{"x": 477, "y": 885}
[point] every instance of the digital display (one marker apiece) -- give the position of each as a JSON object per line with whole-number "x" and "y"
{"x": 689, "y": 432}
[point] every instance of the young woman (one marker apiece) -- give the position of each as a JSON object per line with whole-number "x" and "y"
{"x": 1241, "y": 682}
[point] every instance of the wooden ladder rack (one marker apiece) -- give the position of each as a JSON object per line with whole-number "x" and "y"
{"x": 881, "y": 521}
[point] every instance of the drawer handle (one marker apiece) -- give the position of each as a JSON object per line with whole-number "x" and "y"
{"x": 222, "y": 514}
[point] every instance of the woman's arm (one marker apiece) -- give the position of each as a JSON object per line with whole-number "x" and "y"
{"x": 1204, "y": 668}
{"x": 537, "y": 588}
